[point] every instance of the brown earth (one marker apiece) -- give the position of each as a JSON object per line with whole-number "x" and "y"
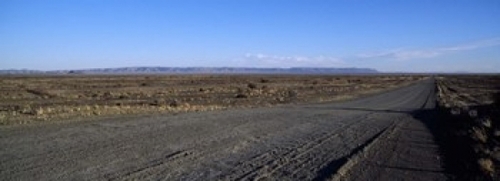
{"x": 385, "y": 136}
{"x": 31, "y": 99}
{"x": 288, "y": 135}
{"x": 470, "y": 118}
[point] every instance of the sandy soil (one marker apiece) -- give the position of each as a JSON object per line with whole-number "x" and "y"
{"x": 382, "y": 137}
{"x": 34, "y": 99}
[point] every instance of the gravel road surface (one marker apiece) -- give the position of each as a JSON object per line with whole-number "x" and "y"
{"x": 382, "y": 137}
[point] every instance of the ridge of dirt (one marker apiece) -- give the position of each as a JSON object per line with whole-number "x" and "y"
{"x": 358, "y": 154}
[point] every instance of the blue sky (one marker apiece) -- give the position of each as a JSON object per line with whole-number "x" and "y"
{"x": 409, "y": 36}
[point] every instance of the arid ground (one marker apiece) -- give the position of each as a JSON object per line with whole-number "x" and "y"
{"x": 28, "y": 99}
{"x": 239, "y": 127}
{"x": 470, "y": 125}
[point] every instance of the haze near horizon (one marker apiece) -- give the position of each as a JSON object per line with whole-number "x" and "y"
{"x": 390, "y": 36}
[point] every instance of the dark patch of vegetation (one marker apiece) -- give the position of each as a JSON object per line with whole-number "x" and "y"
{"x": 241, "y": 96}
{"x": 470, "y": 126}
{"x": 252, "y": 86}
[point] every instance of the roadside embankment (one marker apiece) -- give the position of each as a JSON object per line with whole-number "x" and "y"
{"x": 469, "y": 115}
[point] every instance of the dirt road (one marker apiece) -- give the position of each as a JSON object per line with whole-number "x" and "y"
{"x": 383, "y": 137}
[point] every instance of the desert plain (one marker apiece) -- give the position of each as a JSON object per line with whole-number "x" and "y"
{"x": 249, "y": 127}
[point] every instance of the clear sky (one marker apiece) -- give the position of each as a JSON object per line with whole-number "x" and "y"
{"x": 397, "y": 35}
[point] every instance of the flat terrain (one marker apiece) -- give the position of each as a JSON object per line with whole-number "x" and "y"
{"x": 382, "y": 137}
{"x": 34, "y": 99}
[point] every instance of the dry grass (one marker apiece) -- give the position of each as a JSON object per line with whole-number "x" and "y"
{"x": 44, "y": 98}
{"x": 487, "y": 166}
{"x": 474, "y": 119}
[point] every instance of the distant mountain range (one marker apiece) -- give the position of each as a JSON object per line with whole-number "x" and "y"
{"x": 199, "y": 70}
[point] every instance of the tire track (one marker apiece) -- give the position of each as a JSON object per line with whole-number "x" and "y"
{"x": 290, "y": 159}
{"x": 294, "y": 142}
{"x": 356, "y": 155}
{"x": 177, "y": 156}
